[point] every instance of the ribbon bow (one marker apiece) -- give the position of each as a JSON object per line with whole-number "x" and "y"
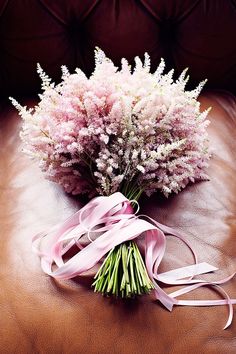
{"x": 113, "y": 222}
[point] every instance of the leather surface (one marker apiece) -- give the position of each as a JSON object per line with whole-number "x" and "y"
{"x": 198, "y": 34}
{"x": 40, "y": 315}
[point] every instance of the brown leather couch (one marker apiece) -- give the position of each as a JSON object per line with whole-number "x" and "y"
{"x": 40, "y": 315}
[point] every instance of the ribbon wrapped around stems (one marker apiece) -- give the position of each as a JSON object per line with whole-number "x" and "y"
{"x": 113, "y": 222}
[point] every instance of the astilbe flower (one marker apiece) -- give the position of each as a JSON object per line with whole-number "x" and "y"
{"x": 127, "y": 130}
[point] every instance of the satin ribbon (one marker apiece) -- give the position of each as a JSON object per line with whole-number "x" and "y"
{"x": 108, "y": 222}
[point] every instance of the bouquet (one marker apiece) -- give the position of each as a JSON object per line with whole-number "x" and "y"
{"x": 114, "y": 136}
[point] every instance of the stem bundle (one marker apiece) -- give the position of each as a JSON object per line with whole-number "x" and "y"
{"x": 123, "y": 273}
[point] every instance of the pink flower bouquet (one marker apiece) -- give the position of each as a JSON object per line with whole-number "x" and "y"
{"x": 122, "y": 131}
{"x": 114, "y": 136}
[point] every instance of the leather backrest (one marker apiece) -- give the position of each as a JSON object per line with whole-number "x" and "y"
{"x": 199, "y": 34}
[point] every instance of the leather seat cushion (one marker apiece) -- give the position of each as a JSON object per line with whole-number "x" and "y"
{"x": 41, "y": 315}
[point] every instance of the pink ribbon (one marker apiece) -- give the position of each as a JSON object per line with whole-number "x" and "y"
{"x": 111, "y": 221}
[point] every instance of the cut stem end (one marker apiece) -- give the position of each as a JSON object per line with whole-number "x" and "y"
{"x": 123, "y": 273}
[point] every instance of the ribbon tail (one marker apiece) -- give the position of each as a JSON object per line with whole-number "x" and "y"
{"x": 164, "y": 298}
{"x": 177, "y": 276}
{"x": 228, "y": 301}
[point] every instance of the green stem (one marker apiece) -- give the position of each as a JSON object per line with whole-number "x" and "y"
{"x": 123, "y": 273}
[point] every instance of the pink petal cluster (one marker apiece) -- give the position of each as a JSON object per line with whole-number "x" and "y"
{"x": 118, "y": 130}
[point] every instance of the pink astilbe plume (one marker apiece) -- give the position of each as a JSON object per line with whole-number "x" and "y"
{"x": 119, "y": 130}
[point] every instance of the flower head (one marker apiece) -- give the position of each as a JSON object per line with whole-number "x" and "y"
{"x": 117, "y": 129}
